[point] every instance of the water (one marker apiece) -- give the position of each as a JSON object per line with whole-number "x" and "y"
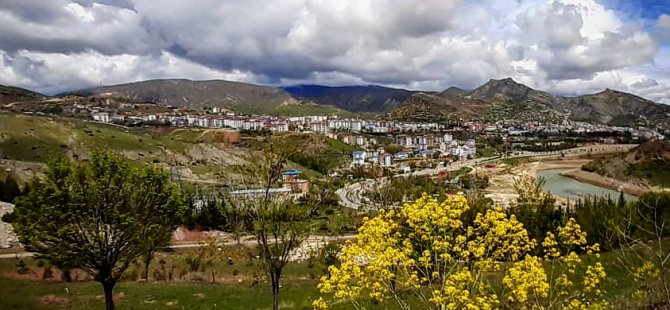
{"x": 572, "y": 189}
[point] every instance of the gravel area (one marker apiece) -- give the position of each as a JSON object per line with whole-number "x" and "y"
{"x": 7, "y": 236}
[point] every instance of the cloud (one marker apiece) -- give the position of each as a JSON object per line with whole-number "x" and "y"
{"x": 566, "y": 46}
{"x": 69, "y": 27}
{"x": 564, "y": 52}
{"x": 645, "y": 82}
{"x": 87, "y": 69}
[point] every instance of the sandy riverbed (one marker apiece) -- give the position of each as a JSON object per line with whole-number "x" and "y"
{"x": 501, "y": 178}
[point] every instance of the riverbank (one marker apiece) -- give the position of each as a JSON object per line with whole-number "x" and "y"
{"x": 605, "y": 182}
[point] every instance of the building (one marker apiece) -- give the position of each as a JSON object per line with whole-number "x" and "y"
{"x": 361, "y": 141}
{"x": 291, "y": 181}
{"x": 276, "y": 193}
{"x": 359, "y": 158}
{"x": 405, "y": 140}
{"x": 101, "y": 117}
{"x": 386, "y": 160}
{"x": 320, "y": 127}
{"x": 400, "y": 155}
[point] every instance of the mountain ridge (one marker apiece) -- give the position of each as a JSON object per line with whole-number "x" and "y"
{"x": 9, "y": 94}
{"x": 508, "y": 98}
{"x": 494, "y": 99}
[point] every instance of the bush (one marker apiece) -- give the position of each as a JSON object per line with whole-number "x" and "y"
{"x": 9, "y": 189}
{"x": 22, "y": 268}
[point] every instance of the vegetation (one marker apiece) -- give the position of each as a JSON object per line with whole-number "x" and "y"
{"x": 535, "y": 208}
{"x": 649, "y": 162}
{"x": 9, "y": 188}
{"x": 304, "y": 109}
{"x": 424, "y": 257}
{"x": 279, "y": 226}
{"x": 98, "y": 215}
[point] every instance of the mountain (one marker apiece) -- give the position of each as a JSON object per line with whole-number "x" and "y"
{"x": 453, "y": 93}
{"x": 9, "y": 94}
{"x": 507, "y": 99}
{"x": 371, "y": 98}
{"x": 618, "y": 108}
{"x": 440, "y": 107}
{"x": 240, "y": 97}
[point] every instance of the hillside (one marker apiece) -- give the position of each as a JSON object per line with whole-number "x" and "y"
{"x": 9, "y": 94}
{"x": 507, "y": 99}
{"x": 429, "y": 107}
{"x": 370, "y": 98}
{"x": 618, "y": 108}
{"x": 27, "y": 141}
{"x": 649, "y": 163}
{"x": 241, "y": 97}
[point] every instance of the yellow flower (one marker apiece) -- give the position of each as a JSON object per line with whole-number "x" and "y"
{"x": 526, "y": 280}
{"x": 647, "y": 271}
{"x": 425, "y": 247}
{"x": 319, "y": 304}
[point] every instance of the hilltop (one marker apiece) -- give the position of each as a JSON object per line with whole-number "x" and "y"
{"x": 198, "y": 94}
{"x": 9, "y": 94}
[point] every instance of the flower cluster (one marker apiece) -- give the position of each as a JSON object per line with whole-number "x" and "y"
{"x": 428, "y": 253}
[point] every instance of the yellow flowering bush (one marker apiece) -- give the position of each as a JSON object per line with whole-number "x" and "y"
{"x": 425, "y": 256}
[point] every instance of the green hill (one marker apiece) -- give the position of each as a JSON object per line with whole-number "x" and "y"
{"x": 648, "y": 163}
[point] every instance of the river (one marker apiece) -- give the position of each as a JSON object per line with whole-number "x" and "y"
{"x": 572, "y": 189}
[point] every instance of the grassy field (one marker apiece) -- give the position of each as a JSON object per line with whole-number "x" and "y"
{"x": 234, "y": 287}
{"x": 22, "y": 294}
{"x": 31, "y": 138}
{"x": 233, "y": 292}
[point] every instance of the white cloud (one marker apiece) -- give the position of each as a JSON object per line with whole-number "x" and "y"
{"x": 566, "y": 46}
{"x": 73, "y": 71}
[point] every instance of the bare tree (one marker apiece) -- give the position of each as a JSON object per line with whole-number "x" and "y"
{"x": 643, "y": 250}
{"x": 279, "y": 225}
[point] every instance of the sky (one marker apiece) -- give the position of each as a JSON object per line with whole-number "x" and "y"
{"x": 567, "y": 47}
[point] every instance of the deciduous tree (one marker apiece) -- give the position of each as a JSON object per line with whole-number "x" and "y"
{"x": 98, "y": 215}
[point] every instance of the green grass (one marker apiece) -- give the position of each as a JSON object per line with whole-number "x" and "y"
{"x": 24, "y": 294}
{"x": 657, "y": 171}
{"x": 299, "y": 288}
{"x": 486, "y": 151}
{"x": 33, "y": 138}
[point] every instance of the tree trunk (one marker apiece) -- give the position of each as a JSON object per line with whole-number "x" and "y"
{"x": 147, "y": 262}
{"x": 274, "y": 275}
{"x": 108, "y": 288}
{"x": 66, "y": 276}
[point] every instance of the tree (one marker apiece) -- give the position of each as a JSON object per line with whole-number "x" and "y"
{"x": 98, "y": 215}
{"x": 279, "y": 225}
{"x": 535, "y": 208}
{"x": 425, "y": 256}
{"x": 9, "y": 189}
{"x": 155, "y": 242}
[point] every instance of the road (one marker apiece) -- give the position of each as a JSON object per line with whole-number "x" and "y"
{"x": 247, "y": 242}
{"x": 352, "y": 195}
